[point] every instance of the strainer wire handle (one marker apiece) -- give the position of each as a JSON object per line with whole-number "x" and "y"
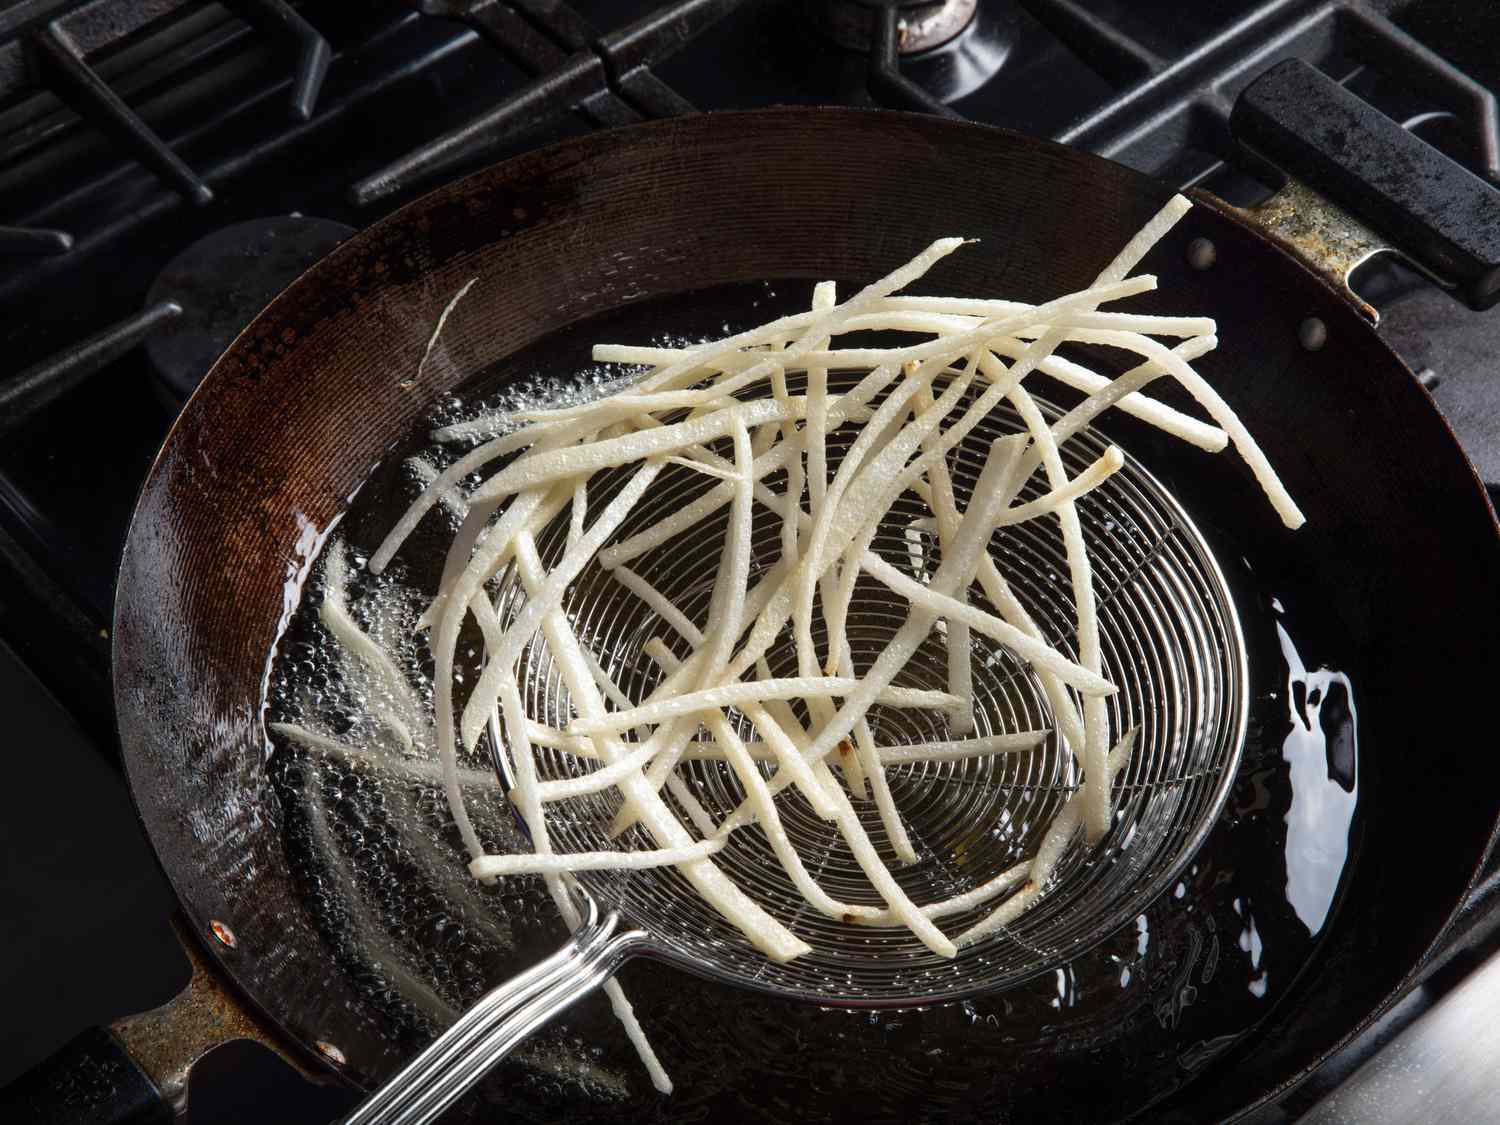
{"x": 501, "y": 1019}
{"x": 601, "y": 964}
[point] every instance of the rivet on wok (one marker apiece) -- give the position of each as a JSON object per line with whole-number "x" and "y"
{"x": 331, "y": 1053}
{"x": 1201, "y": 254}
{"x": 1312, "y": 333}
{"x": 223, "y": 933}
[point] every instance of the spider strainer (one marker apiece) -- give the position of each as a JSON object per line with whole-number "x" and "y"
{"x": 1171, "y": 642}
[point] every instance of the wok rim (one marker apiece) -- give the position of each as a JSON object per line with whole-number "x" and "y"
{"x": 520, "y": 167}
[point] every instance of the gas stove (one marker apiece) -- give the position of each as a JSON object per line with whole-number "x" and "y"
{"x": 167, "y": 166}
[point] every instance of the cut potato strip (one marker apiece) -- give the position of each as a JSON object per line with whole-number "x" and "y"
{"x": 856, "y": 767}
{"x": 1050, "y": 852}
{"x": 578, "y": 512}
{"x": 437, "y": 329}
{"x": 964, "y": 306}
{"x": 727, "y": 603}
{"x": 426, "y": 473}
{"x": 941, "y": 500}
{"x": 662, "y": 605}
{"x": 1095, "y": 718}
{"x": 491, "y": 866}
{"x": 943, "y": 605}
{"x": 531, "y": 810}
{"x": 756, "y": 691}
{"x": 544, "y": 467}
{"x": 915, "y": 753}
{"x": 422, "y": 770}
{"x": 1218, "y": 410}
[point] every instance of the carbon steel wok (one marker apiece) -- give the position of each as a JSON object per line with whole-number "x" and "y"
{"x": 1401, "y": 550}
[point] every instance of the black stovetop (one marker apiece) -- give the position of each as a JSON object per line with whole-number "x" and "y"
{"x": 130, "y": 130}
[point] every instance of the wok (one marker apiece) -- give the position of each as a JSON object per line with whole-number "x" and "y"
{"x": 630, "y": 233}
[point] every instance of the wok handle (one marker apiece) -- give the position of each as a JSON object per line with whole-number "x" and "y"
{"x": 90, "y": 1080}
{"x": 425, "y": 1087}
{"x": 135, "y": 1072}
{"x": 1436, "y": 212}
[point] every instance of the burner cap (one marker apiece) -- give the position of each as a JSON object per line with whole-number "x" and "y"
{"x": 224, "y": 279}
{"x": 924, "y": 24}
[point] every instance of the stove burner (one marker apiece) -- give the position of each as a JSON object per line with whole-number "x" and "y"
{"x": 921, "y": 24}
{"x": 221, "y": 281}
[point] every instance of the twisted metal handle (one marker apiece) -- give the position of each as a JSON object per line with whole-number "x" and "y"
{"x": 487, "y": 1032}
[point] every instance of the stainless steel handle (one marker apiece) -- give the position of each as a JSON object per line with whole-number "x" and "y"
{"x": 463, "y": 1054}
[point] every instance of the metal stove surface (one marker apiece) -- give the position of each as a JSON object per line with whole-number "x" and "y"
{"x": 132, "y": 132}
